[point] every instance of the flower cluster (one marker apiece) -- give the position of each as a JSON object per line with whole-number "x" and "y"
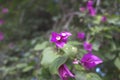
{"x": 60, "y": 39}
{"x": 89, "y": 7}
{"x": 88, "y": 61}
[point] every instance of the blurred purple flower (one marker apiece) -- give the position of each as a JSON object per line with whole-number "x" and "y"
{"x": 91, "y": 9}
{"x": 1, "y": 36}
{"x": 89, "y": 3}
{"x": 65, "y": 35}
{"x": 82, "y": 9}
{"x": 2, "y": 22}
{"x": 103, "y": 19}
{"x": 60, "y": 39}
{"x": 5, "y": 10}
{"x": 81, "y": 35}
{"x": 89, "y": 61}
{"x": 87, "y": 46}
{"x": 64, "y": 72}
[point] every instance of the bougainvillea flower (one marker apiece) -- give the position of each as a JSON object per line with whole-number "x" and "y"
{"x": 81, "y": 35}
{"x": 76, "y": 61}
{"x": 91, "y": 9}
{"x": 1, "y": 36}
{"x": 64, "y": 72}
{"x": 65, "y": 35}
{"x": 89, "y": 61}
{"x": 103, "y": 19}
{"x": 87, "y": 46}
{"x": 60, "y": 39}
{"x": 90, "y": 3}
{"x": 5, "y": 10}
{"x": 2, "y": 22}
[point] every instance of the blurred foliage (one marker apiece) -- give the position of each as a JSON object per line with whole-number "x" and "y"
{"x": 27, "y": 54}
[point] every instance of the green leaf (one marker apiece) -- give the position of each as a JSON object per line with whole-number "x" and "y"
{"x": 21, "y": 65}
{"x": 86, "y": 76}
{"x": 74, "y": 43}
{"x": 117, "y": 63}
{"x": 97, "y": 19}
{"x": 70, "y": 50}
{"x": 93, "y": 76}
{"x": 80, "y": 76}
{"x": 57, "y": 63}
{"x": 96, "y": 45}
{"x": 41, "y": 46}
{"x": 28, "y": 68}
{"x": 48, "y": 56}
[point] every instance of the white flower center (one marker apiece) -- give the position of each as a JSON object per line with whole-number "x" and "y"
{"x": 58, "y": 37}
{"x": 63, "y": 34}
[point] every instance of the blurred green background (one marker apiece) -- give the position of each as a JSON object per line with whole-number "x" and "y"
{"x": 26, "y": 26}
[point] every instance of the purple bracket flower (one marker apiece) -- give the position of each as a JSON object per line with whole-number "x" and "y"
{"x": 81, "y": 35}
{"x": 60, "y": 39}
{"x": 89, "y": 61}
{"x": 103, "y": 19}
{"x": 87, "y": 46}
{"x": 1, "y": 36}
{"x": 91, "y": 9}
{"x": 5, "y": 10}
{"x": 2, "y": 22}
{"x": 64, "y": 72}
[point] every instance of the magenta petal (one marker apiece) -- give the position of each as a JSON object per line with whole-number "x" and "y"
{"x": 103, "y": 19}
{"x": 87, "y": 46}
{"x": 90, "y": 3}
{"x": 90, "y": 61}
{"x": 81, "y": 35}
{"x": 1, "y": 36}
{"x": 64, "y": 72}
{"x": 60, "y": 39}
{"x": 53, "y": 36}
{"x": 5, "y": 10}
{"x": 97, "y": 60}
{"x": 60, "y": 44}
{"x": 68, "y": 71}
{"x": 65, "y": 35}
{"x": 2, "y": 22}
{"x": 92, "y": 12}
